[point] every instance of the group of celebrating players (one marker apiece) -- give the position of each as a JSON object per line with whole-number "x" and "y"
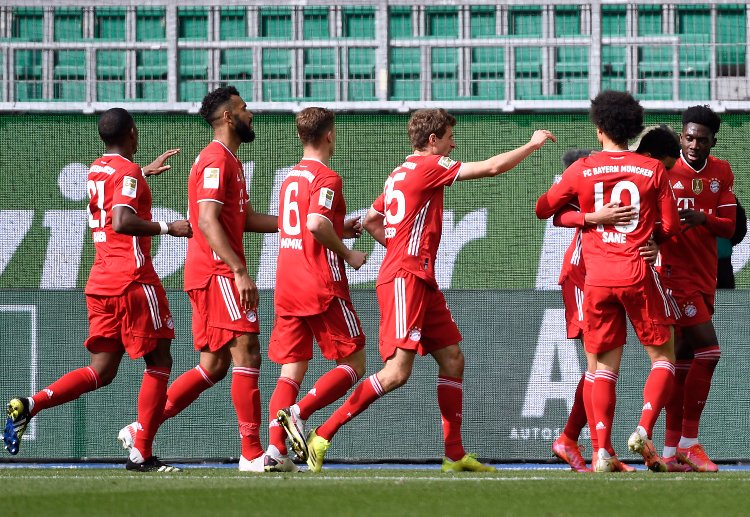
{"x": 624, "y": 203}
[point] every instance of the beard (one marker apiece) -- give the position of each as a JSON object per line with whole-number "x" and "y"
{"x": 244, "y": 131}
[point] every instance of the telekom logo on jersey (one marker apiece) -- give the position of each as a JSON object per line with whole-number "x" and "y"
{"x": 68, "y": 231}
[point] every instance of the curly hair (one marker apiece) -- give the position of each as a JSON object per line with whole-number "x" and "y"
{"x": 659, "y": 142}
{"x": 425, "y": 122}
{"x": 618, "y": 115}
{"x": 313, "y": 124}
{"x": 216, "y": 100}
{"x": 702, "y": 115}
{"x": 114, "y": 126}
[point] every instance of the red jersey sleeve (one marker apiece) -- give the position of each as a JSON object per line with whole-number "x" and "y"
{"x": 670, "y": 218}
{"x": 569, "y": 216}
{"x": 326, "y": 195}
{"x": 722, "y": 224}
{"x": 441, "y": 172}
{"x": 212, "y": 179}
{"x": 558, "y": 195}
{"x": 379, "y": 204}
{"x": 128, "y": 184}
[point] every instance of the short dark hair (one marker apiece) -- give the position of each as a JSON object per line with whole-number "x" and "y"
{"x": 425, "y": 122}
{"x": 618, "y": 115}
{"x": 659, "y": 142}
{"x": 314, "y": 123}
{"x": 115, "y": 125}
{"x": 702, "y": 115}
{"x": 215, "y": 101}
{"x": 571, "y": 156}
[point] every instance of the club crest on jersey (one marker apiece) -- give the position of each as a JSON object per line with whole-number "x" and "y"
{"x": 129, "y": 186}
{"x": 415, "y": 334}
{"x": 170, "y": 322}
{"x": 445, "y": 162}
{"x": 714, "y": 186}
{"x": 211, "y": 177}
{"x": 697, "y": 185}
{"x": 251, "y": 316}
{"x": 690, "y": 310}
{"x": 326, "y": 197}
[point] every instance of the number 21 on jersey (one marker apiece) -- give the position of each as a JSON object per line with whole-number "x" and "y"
{"x": 96, "y": 189}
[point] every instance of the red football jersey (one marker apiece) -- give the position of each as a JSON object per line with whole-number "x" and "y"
{"x": 412, "y": 203}
{"x": 611, "y": 252}
{"x": 309, "y": 275}
{"x": 120, "y": 259}
{"x": 216, "y": 177}
{"x": 690, "y": 257}
{"x": 573, "y": 267}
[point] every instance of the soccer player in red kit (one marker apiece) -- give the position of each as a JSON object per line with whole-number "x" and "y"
{"x": 127, "y": 305}
{"x": 618, "y": 280}
{"x": 223, "y": 297}
{"x": 312, "y": 297}
{"x": 414, "y": 317}
{"x": 702, "y": 185}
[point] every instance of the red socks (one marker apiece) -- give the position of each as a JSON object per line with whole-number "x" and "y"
{"x": 151, "y": 401}
{"x": 329, "y": 388}
{"x": 588, "y": 404}
{"x": 283, "y": 396}
{"x": 656, "y": 393}
{"x": 450, "y": 400}
{"x": 697, "y": 386}
{"x": 577, "y": 418}
{"x": 185, "y": 389}
{"x": 674, "y": 405}
{"x": 363, "y": 395}
{"x": 68, "y": 387}
{"x": 246, "y": 399}
{"x": 604, "y": 397}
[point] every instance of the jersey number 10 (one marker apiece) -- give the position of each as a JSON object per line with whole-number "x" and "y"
{"x": 615, "y": 196}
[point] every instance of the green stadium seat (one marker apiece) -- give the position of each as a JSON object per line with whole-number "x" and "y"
{"x": 151, "y": 64}
{"x": 361, "y": 84}
{"x": 315, "y": 23}
{"x": 488, "y": 72}
{"x": 525, "y": 21}
{"x": 151, "y": 91}
{"x": 192, "y": 91}
{"x": 28, "y": 64}
{"x": 399, "y": 21}
{"x": 276, "y": 23}
{"x": 567, "y": 21}
{"x": 68, "y": 24}
{"x": 277, "y": 73}
{"x": 70, "y": 64}
{"x": 358, "y": 22}
{"x": 731, "y": 39}
{"x": 150, "y": 24}
{"x": 483, "y": 21}
{"x": 695, "y": 54}
{"x": 693, "y": 19}
{"x": 192, "y": 23}
{"x": 110, "y": 75}
{"x": 320, "y": 72}
{"x": 109, "y": 23}
{"x": 26, "y": 91}
{"x": 572, "y": 73}
{"x": 613, "y": 68}
{"x": 444, "y": 73}
{"x": 193, "y": 73}
{"x": 236, "y": 63}
{"x": 528, "y": 73}
{"x": 655, "y": 71}
{"x": 405, "y": 70}
{"x": 614, "y": 20}
{"x": 442, "y": 22}
{"x": 28, "y": 24}
{"x": 649, "y": 20}
{"x": 233, "y": 23}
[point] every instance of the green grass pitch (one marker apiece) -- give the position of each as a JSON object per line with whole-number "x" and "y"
{"x": 364, "y": 492}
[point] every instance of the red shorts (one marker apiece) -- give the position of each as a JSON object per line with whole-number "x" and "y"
{"x": 132, "y": 321}
{"x": 414, "y": 316}
{"x": 337, "y": 331}
{"x": 695, "y": 307}
{"x": 217, "y": 315}
{"x": 645, "y": 304}
{"x": 572, "y": 296}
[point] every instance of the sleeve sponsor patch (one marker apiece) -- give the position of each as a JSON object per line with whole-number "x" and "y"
{"x": 211, "y": 177}
{"x": 129, "y": 186}
{"x": 446, "y": 162}
{"x": 326, "y": 197}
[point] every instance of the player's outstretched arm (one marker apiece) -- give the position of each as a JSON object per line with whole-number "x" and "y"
{"x": 506, "y": 161}
{"x": 322, "y": 229}
{"x": 260, "y": 223}
{"x": 158, "y": 166}
{"x": 127, "y": 222}
{"x": 374, "y": 225}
